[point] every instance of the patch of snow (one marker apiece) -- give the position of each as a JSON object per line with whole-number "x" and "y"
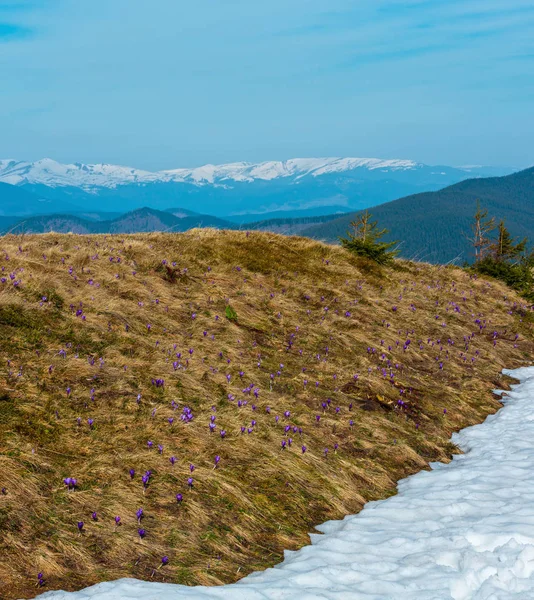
{"x": 461, "y": 531}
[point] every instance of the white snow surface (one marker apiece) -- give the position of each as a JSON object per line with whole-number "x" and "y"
{"x": 54, "y": 174}
{"x": 464, "y": 530}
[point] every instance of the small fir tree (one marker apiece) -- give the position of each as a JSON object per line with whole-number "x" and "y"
{"x": 364, "y": 240}
{"x": 505, "y": 248}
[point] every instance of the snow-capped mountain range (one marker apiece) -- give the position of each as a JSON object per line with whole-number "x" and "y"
{"x": 54, "y": 174}
{"x": 232, "y": 188}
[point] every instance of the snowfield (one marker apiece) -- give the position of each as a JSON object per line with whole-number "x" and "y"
{"x": 463, "y": 530}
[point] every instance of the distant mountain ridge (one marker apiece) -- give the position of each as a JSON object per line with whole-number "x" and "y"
{"x": 234, "y": 188}
{"x": 18, "y": 201}
{"x": 139, "y": 221}
{"x": 86, "y": 176}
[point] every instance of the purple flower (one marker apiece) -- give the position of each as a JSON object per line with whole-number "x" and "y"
{"x": 164, "y": 560}
{"x": 70, "y": 482}
{"x": 223, "y": 433}
{"x": 80, "y": 525}
{"x": 117, "y": 521}
{"x": 139, "y": 514}
{"x": 141, "y": 533}
{"x": 304, "y": 449}
{"x": 94, "y": 516}
{"x": 172, "y": 460}
{"x": 217, "y": 460}
{"x": 179, "y": 498}
{"x": 132, "y": 473}
{"x": 190, "y": 482}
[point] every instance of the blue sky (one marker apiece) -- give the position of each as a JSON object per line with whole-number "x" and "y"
{"x": 167, "y": 83}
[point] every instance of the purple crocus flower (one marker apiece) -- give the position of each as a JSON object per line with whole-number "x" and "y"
{"x": 132, "y": 473}
{"x": 223, "y": 433}
{"x": 190, "y": 482}
{"x": 164, "y": 560}
{"x": 70, "y": 482}
{"x": 141, "y": 533}
{"x": 179, "y": 498}
{"x": 80, "y": 525}
{"x": 172, "y": 460}
{"x": 304, "y": 449}
{"x": 94, "y": 516}
{"x": 117, "y": 521}
{"x": 139, "y": 513}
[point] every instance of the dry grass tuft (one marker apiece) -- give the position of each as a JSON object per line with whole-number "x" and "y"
{"x": 106, "y": 315}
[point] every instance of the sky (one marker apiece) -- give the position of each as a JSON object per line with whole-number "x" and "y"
{"x": 167, "y": 83}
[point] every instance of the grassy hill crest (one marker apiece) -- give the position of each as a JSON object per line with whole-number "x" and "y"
{"x": 317, "y": 378}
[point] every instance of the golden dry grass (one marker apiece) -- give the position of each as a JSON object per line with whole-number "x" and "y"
{"x": 291, "y": 296}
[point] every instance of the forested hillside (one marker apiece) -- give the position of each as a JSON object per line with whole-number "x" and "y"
{"x": 434, "y": 226}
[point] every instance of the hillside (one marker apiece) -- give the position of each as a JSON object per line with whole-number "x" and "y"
{"x": 433, "y": 226}
{"x": 238, "y": 387}
{"x": 288, "y": 226}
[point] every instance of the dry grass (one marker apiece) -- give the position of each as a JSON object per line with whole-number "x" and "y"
{"x": 260, "y": 499}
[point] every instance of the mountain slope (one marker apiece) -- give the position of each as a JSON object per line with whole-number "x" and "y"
{"x": 433, "y": 226}
{"x": 16, "y": 201}
{"x": 294, "y": 184}
{"x": 328, "y": 381}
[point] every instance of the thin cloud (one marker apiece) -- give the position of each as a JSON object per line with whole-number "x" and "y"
{"x": 10, "y": 31}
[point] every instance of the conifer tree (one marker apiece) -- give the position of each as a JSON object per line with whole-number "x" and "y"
{"x": 364, "y": 240}
{"x": 504, "y": 249}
